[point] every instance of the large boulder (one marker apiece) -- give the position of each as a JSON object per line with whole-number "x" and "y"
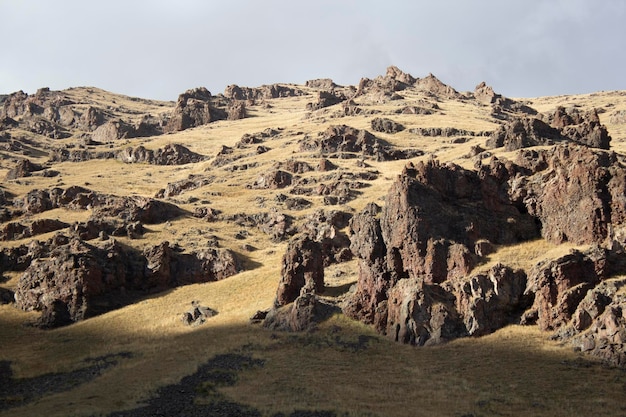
{"x": 576, "y": 193}
{"x": 304, "y": 313}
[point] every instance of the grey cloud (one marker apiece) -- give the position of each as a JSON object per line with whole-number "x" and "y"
{"x": 160, "y": 48}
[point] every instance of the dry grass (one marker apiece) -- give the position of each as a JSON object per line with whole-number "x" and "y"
{"x": 515, "y": 371}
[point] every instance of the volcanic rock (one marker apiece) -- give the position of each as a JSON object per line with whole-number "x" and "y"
{"x": 341, "y": 139}
{"x": 113, "y": 130}
{"x": 171, "y": 154}
{"x": 326, "y": 99}
{"x": 264, "y": 92}
{"x": 322, "y": 84}
{"x": 560, "y": 285}
{"x": 565, "y": 125}
{"x": 193, "y": 108}
{"x": 380, "y": 124}
{"x": 79, "y": 280}
{"x": 302, "y": 267}
{"x": 198, "y": 314}
{"x": 577, "y": 193}
{"x": 23, "y": 168}
{"x": 304, "y": 313}
{"x": 273, "y": 179}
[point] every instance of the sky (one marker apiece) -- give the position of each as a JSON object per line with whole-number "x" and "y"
{"x": 159, "y": 48}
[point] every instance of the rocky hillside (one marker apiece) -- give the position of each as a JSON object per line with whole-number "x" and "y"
{"x": 415, "y": 191}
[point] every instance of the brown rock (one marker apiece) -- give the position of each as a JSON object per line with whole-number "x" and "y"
{"x": 381, "y": 124}
{"x": 577, "y": 193}
{"x": 560, "y": 285}
{"x": 273, "y": 179}
{"x": 302, "y": 267}
{"x": 23, "y": 168}
{"x": 306, "y": 311}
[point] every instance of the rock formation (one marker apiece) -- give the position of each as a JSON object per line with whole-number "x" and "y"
{"x": 562, "y": 125}
{"x": 79, "y": 280}
{"x": 415, "y": 255}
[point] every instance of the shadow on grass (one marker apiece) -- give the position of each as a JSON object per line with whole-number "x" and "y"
{"x": 19, "y": 392}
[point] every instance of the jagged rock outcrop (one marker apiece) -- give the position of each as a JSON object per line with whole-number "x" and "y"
{"x": 15, "y": 230}
{"x": 489, "y": 301}
{"x": 523, "y": 133}
{"x": 302, "y": 267}
{"x": 129, "y": 209}
{"x": 423, "y": 240}
{"x": 604, "y": 309}
{"x": 342, "y": 141}
{"x": 415, "y": 254}
{"x": 23, "y": 168}
{"x": 170, "y": 154}
{"x": 113, "y": 130}
{"x": 562, "y": 125}
{"x": 503, "y": 108}
{"x": 559, "y": 285}
{"x": 191, "y": 183}
{"x": 445, "y": 131}
{"x": 575, "y": 192}
{"x": 79, "y": 280}
{"x": 326, "y": 99}
{"x": 264, "y": 92}
{"x": 581, "y": 127}
{"x": 432, "y": 85}
{"x": 194, "y": 107}
{"x": 340, "y": 138}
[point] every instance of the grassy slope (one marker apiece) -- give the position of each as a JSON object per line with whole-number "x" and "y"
{"x": 517, "y": 370}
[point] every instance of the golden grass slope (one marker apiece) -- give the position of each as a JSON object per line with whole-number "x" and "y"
{"x": 516, "y": 371}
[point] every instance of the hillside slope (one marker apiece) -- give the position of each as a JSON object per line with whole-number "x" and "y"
{"x": 117, "y": 213}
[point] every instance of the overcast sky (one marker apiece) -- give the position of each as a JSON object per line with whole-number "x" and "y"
{"x": 160, "y": 48}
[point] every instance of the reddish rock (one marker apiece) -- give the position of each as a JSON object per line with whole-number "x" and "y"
{"x": 273, "y": 179}
{"x": 577, "y": 193}
{"x": 193, "y": 108}
{"x": 606, "y": 336}
{"x": 560, "y": 285}
{"x": 302, "y": 267}
{"x": 562, "y": 125}
{"x": 489, "y": 301}
{"x": 381, "y": 124}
